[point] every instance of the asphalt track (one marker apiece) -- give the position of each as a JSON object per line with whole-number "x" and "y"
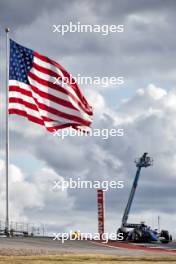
{"x": 43, "y": 246}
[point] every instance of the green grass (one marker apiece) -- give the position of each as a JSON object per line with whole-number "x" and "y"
{"x": 91, "y": 259}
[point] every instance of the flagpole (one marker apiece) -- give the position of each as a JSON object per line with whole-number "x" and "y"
{"x": 7, "y": 30}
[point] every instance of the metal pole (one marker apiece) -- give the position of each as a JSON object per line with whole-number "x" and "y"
{"x": 43, "y": 229}
{"x": 158, "y": 223}
{"x": 7, "y": 30}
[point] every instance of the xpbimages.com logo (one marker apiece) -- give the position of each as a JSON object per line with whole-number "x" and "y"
{"x": 77, "y": 27}
{"x": 103, "y": 81}
{"x": 105, "y": 237}
{"x": 62, "y": 185}
{"x": 104, "y": 133}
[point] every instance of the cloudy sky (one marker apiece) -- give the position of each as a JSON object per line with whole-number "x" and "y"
{"x": 144, "y": 106}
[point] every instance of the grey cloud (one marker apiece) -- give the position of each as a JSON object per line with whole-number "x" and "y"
{"x": 144, "y": 53}
{"x": 75, "y": 157}
{"x": 20, "y": 13}
{"x": 138, "y": 53}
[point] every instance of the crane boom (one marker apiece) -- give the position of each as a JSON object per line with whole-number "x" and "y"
{"x": 144, "y": 161}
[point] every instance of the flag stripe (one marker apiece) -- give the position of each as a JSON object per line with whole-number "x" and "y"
{"x": 42, "y": 84}
{"x": 59, "y": 73}
{"x": 41, "y": 90}
{"x": 28, "y": 111}
{"x": 32, "y": 118}
{"x": 45, "y": 70}
{"x": 45, "y": 77}
{"x": 55, "y": 72}
{"x": 53, "y": 113}
{"x": 39, "y": 121}
{"x": 18, "y": 92}
{"x": 35, "y": 90}
{"x": 52, "y": 95}
{"x": 47, "y": 120}
{"x": 62, "y": 73}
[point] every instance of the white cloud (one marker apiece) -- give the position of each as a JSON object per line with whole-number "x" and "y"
{"x": 148, "y": 120}
{"x": 30, "y": 192}
{"x": 156, "y": 92}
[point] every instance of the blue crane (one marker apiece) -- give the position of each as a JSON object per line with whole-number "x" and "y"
{"x": 140, "y": 232}
{"x": 144, "y": 161}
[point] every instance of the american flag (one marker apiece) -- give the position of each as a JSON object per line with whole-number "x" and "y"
{"x": 41, "y": 90}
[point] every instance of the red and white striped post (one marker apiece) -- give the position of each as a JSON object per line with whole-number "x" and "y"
{"x": 101, "y": 211}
